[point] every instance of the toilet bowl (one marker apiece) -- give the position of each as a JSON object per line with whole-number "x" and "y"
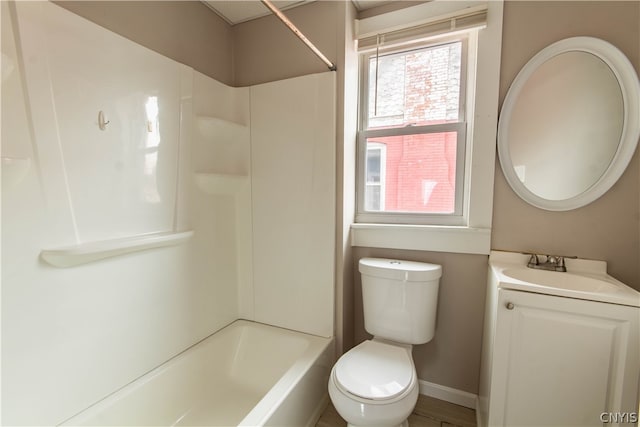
{"x": 375, "y": 383}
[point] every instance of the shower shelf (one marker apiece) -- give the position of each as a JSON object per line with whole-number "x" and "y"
{"x": 214, "y": 127}
{"x": 220, "y": 184}
{"x": 70, "y": 256}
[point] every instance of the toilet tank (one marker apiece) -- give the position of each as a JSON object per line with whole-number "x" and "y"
{"x": 400, "y": 299}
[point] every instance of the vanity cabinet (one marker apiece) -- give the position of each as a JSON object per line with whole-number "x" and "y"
{"x": 551, "y": 360}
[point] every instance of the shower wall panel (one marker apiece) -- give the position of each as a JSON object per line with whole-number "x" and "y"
{"x": 250, "y": 170}
{"x": 71, "y": 336}
{"x": 293, "y": 192}
{"x": 222, "y": 200}
{"x": 106, "y": 116}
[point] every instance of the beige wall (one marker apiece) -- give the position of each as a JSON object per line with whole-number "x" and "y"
{"x": 452, "y": 358}
{"x": 608, "y": 228}
{"x": 185, "y": 31}
{"x": 265, "y": 50}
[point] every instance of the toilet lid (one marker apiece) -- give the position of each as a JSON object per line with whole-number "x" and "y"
{"x": 374, "y": 370}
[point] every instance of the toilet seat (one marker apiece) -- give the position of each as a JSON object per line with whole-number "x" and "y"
{"x": 375, "y": 371}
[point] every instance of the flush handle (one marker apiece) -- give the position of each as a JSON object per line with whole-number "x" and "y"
{"x": 509, "y": 306}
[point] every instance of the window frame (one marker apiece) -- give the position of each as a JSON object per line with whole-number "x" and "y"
{"x": 475, "y": 237}
{"x": 461, "y": 204}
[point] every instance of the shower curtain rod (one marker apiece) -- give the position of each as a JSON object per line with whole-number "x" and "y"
{"x": 298, "y": 33}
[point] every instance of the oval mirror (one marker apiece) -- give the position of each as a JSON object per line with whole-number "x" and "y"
{"x": 569, "y": 124}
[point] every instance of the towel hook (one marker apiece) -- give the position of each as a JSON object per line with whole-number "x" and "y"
{"x": 102, "y": 124}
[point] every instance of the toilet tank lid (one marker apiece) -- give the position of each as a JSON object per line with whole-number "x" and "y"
{"x": 409, "y": 271}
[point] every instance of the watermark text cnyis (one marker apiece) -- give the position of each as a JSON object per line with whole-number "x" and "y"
{"x": 619, "y": 417}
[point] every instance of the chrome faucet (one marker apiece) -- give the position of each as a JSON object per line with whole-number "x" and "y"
{"x": 551, "y": 262}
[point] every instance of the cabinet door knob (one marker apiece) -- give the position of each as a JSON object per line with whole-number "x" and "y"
{"x": 510, "y": 306}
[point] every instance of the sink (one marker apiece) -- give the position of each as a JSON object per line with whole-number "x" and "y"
{"x": 568, "y": 281}
{"x": 585, "y": 279}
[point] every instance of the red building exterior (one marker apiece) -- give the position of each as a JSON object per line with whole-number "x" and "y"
{"x": 420, "y": 173}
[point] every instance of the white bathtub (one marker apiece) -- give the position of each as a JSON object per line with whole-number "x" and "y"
{"x": 247, "y": 374}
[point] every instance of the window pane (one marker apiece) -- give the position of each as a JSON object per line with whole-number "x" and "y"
{"x": 373, "y": 165}
{"x": 373, "y": 201}
{"x": 418, "y": 173}
{"x": 419, "y": 87}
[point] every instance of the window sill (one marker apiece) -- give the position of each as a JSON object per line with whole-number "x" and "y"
{"x": 453, "y": 239}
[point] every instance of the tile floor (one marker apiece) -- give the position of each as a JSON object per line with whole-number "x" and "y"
{"x": 429, "y": 412}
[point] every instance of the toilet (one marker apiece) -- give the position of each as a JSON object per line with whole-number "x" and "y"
{"x": 375, "y": 383}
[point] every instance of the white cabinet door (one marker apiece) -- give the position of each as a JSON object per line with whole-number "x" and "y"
{"x": 561, "y": 361}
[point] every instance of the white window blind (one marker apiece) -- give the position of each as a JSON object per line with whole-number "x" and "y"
{"x": 385, "y": 34}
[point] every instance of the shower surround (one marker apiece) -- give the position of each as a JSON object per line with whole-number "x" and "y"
{"x": 106, "y": 144}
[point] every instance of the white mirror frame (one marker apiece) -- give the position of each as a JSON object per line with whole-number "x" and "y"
{"x": 630, "y": 88}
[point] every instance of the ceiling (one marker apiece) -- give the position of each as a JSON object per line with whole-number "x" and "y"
{"x": 237, "y": 11}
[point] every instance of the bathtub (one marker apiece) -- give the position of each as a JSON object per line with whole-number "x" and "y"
{"x": 247, "y": 374}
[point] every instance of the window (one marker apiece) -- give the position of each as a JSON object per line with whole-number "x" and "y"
{"x": 415, "y": 102}
{"x": 428, "y": 107}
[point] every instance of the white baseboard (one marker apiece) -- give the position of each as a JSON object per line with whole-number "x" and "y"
{"x": 448, "y": 394}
